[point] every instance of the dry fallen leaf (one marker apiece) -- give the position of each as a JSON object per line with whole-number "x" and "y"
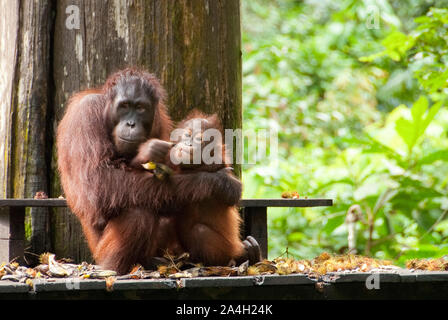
{"x": 440, "y": 264}
{"x": 57, "y": 269}
{"x": 43, "y": 258}
{"x": 110, "y": 283}
{"x": 290, "y": 195}
{"x": 40, "y": 195}
{"x": 29, "y": 282}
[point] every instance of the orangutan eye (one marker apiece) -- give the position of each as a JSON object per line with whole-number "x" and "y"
{"x": 124, "y": 106}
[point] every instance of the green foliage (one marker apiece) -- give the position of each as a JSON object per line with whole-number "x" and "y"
{"x": 412, "y": 130}
{"x": 425, "y": 48}
{"x": 361, "y": 120}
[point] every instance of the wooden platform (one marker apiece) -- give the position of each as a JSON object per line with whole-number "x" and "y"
{"x": 397, "y": 284}
{"x": 254, "y": 213}
{"x": 256, "y": 203}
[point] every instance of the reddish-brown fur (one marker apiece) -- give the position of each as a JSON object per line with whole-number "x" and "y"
{"x": 102, "y": 189}
{"x": 210, "y": 230}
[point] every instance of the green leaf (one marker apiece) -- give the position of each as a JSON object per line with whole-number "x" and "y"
{"x": 394, "y": 55}
{"x": 372, "y": 57}
{"x": 423, "y": 251}
{"x": 442, "y": 227}
{"x": 412, "y": 130}
{"x": 347, "y": 181}
{"x": 372, "y": 145}
{"x": 433, "y": 157}
{"x": 423, "y": 219}
{"x": 406, "y": 131}
{"x": 385, "y": 197}
{"x": 333, "y": 223}
{"x": 397, "y": 44}
{"x": 419, "y": 108}
{"x": 431, "y": 114}
{"x": 295, "y": 236}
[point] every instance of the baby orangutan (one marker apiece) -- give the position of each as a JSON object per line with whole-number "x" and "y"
{"x": 209, "y": 230}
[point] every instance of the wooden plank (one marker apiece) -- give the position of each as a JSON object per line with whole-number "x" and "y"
{"x": 9, "y": 42}
{"x": 256, "y": 225}
{"x": 12, "y": 250}
{"x": 33, "y": 203}
{"x": 254, "y": 215}
{"x": 286, "y": 203}
{"x": 12, "y": 234}
{"x": 340, "y": 286}
{"x": 243, "y": 203}
{"x": 4, "y": 223}
{"x": 12, "y": 223}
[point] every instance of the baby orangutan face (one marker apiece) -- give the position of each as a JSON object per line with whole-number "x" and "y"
{"x": 198, "y": 145}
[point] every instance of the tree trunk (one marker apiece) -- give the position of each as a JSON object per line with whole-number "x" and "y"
{"x": 192, "y": 46}
{"x": 25, "y": 61}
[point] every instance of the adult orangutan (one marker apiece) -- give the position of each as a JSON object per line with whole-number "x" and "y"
{"x": 102, "y": 137}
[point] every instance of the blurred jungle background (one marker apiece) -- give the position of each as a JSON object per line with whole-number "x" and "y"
{"x": 358, "y": 92}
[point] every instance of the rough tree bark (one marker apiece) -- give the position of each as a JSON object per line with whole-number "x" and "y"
{"x": 193, "y": 47}
{"x": 25, "y": 34}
